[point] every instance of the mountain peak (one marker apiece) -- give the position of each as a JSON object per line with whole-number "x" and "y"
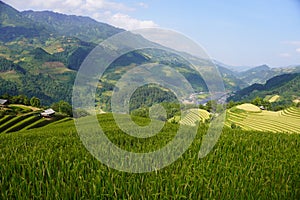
{"x": 261, "y": 67}
{"x": 84, "y": 28}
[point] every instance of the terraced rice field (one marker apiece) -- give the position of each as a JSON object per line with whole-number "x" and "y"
{"x": 193, "y": 116}
{"x": 10, "y": 123}
{"x": 274, "y": 98}
{"x": 52, "y": 163}
{"x": 287, "y": 120}
{"x": 248, "y": 107}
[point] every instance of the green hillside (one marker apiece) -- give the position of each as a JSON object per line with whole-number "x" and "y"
{"x": 51, "y": 162}
{"x": 286, "y": 86}
{"x": 9, "y": 123}
{"x": 37, "y": 59}
{"x": 83, "y": 28}
{"x": 47, "y": 48}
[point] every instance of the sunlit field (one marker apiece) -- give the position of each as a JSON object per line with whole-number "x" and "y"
{"x": 52, "y": 163}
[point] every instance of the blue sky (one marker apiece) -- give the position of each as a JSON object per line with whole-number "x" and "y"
{"x": 235, "y": 32}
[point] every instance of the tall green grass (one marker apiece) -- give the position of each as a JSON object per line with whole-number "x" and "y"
{"x": 52, "y": 163}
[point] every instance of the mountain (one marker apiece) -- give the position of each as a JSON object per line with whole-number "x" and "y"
{"x": 39, "y": 59}
{"x": 13, "y": 25}
{"x": 257, "y": 74}
{"x": 232, "y": 81}
{"x": 40, "y": 53}
{"x": 286, "y": 87}
{"x": 261, "y": 74}
{"x": 83, "y": 28}
{"x": 235, "y": 69}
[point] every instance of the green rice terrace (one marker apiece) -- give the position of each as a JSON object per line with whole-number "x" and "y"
{"x": 51, "y": 163}
{"x": 190, "y": 118}
{"x": 250, "y": 117}
{"x": 22, "y": 117}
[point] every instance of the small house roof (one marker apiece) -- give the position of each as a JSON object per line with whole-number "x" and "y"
{"x": 49, "y": 111}
{"x": 3, "y": 101}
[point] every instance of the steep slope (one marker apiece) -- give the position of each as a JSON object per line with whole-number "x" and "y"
{"x": 231, "y": 80}
{"x": 13, "y": 25}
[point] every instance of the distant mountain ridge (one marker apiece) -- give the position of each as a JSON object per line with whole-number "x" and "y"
{"x": 261, "y": 74}
{"x": 287, "y": 86}
{"x": 83, "y": 28}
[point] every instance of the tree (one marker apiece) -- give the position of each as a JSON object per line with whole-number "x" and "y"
{"x": 257, "y": 101}
{"x": 35, "y": 102}
{"x": 65, "y": 107}
{"x": 62, "y": 107}
{"x": 231, "y": 103}
{"x": 211, "y": 106}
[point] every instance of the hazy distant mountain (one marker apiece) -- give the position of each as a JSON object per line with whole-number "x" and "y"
{"x": 231, "y": 80}
{"x": 262, "y": 73}
{"x": 235, "y": 69}
{"x": 287, "y": 86}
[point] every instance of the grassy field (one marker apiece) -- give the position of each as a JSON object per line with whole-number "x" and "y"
{"x": 287, "y": 120}
{"x": 52, "y": 163}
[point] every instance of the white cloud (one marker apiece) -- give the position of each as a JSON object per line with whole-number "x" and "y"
{"x": 298, "y": 50}
{"x": 285, "y": 55}
{"x": 107, "y": 11}
{"x": 84, "y": 5}
{"x": 129, "y": 23}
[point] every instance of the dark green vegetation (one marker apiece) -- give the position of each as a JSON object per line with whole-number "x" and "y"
{"x": 40, "y": 52}
{"x": 51, "y": 162}
{"x": 286, "y": 86}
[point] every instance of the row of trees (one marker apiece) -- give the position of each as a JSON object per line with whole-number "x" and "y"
{"x": 22, "y": 99}
{"x": 274, "y": 106}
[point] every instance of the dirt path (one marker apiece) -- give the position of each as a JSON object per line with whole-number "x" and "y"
{"x": 30, "y": 107}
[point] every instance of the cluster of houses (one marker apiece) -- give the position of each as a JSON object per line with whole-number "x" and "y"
{"x": 46, "y": 113}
